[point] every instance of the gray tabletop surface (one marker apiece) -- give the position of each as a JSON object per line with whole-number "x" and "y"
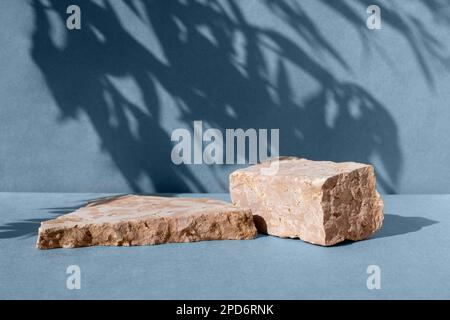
{"x": 411, "y": 255}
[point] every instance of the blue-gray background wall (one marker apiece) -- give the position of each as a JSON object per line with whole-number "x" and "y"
{"x": 92, "y": 110}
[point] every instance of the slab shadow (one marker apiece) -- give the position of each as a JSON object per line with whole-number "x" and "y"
{"x": 395, "y": 225}
{"x": 29, "y": 227}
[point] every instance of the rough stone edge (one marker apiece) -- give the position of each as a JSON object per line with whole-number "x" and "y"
{"x": 48, "y": 240}
{"x": 374, "y": 200}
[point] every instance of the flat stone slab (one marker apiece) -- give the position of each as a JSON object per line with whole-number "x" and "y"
{"x": 145, "y": 220}
{"x": 321, "y": 202}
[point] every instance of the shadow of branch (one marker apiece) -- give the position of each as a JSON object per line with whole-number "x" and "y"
{"x": 210, "y": 79}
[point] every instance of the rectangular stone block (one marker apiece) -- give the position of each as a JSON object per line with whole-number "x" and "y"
{"x": 145, "y": 220}
{"x": 320, "y": 202}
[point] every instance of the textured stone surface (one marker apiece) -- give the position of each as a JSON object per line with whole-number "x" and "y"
{"x": 144, "y": 220}
{"x": 320, "y": 202}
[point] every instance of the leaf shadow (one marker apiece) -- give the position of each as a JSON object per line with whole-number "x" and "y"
{"x": 212, "y": 63}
